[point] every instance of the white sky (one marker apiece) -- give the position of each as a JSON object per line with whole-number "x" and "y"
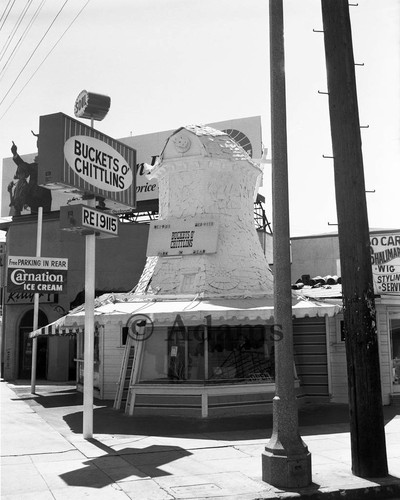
{"x": 169, "y": 63}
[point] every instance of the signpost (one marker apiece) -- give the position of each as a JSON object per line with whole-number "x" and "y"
{"x": 78, "y": 159}
{"x": 88, "y": 221}
{"x": 88, "y": 356}
{"x": 36, "y": 303}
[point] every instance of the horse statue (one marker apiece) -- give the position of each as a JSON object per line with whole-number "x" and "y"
{"x": 26, "y": 192}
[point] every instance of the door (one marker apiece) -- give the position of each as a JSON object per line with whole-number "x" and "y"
{"x": 394, "y": 325}
{"x": 25, "y": 347}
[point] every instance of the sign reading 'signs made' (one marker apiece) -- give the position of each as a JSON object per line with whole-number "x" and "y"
{"x": 78, "y": 158}
{"x": 36, "y": 274}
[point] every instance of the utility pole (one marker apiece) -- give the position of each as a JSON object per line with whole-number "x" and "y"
{"x": 286, "y": 461}
{"x": 368, "y": 446}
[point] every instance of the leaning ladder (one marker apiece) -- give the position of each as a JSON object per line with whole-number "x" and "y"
{"x": 121, "y": 396}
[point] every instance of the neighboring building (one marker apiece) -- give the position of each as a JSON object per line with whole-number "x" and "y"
{"x": 317, "y": 258}
{"x": 119, "y": 263}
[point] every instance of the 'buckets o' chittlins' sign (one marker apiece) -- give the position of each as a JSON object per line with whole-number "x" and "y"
{"x": 98, "y": 163}
{"x": 78, "y": 158}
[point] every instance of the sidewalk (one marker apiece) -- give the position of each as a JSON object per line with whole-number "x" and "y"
{"x": 45, "y": 456}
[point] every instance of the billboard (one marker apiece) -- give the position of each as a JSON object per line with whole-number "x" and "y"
{"x": 246, "y": 131}
{"x": 75, "y": 157}
{"x": 385, "y": 260}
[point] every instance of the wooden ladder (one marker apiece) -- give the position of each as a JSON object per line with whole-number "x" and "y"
{"x": 123, "y": 383}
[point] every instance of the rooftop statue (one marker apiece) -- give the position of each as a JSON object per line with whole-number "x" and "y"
{"x": 24, "y": 190}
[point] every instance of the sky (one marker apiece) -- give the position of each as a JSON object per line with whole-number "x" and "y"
{"x": 170, "y": 63}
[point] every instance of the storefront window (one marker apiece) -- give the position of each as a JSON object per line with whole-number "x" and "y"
{"x": 228, "y": 354}
{"x": 240, "y": 353}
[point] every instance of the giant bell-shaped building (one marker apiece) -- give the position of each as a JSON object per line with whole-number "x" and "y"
{"x": 205, "y": 242}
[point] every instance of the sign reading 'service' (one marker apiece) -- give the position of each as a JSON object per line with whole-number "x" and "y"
{"x": 77, "y": 158}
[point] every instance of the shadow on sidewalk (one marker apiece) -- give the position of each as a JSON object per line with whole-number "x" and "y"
{"x": 134, "y": 463}
{"x": 106, "y": 420}
{"x": 326, "y": 418}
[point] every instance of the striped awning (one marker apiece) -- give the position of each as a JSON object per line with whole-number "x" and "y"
{"x": 192, "y": 312}
{"x": 62, "y": 326}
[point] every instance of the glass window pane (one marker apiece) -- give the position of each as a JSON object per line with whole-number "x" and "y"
{"x": 240, "y": 353}
{"x": 236, "y": 354}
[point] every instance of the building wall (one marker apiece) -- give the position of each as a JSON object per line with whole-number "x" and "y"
{"x": 384, "y": 351}
{"x": 119, "y": 264}
{"x": 320, "y": 256}
{"x": 316, "y": 256}
{"x": 338, "y": 363}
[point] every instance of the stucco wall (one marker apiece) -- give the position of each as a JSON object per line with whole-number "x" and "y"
{"x": 316, "y": 256}
{"x": 119, "y": 264}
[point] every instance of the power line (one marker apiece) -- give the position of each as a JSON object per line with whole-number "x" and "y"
{"x": 8, "y": 13}
{"x": 15, "y": 29}
{"x": 22, "y": 37}
{"x": 48, "y": 54}
{"x": 34, "y": 51}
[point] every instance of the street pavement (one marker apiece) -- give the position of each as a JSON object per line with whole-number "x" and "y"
{"x": 44, "y": 455}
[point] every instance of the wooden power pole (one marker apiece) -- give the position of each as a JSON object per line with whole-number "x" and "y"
{"x": 368, "y": 446}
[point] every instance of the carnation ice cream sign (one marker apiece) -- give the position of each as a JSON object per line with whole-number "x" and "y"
{"x": 78, "y": 159}
{"x": 385, "y": 260}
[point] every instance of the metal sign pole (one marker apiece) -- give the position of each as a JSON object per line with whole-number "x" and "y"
{"x": 88, "y": 356}
{"x": 286, "y": 461}
{"x": 36, "y": 304}
{"x": 90, "y": 255}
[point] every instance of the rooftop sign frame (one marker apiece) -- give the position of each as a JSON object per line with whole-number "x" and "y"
{"x": 77, "y": 158}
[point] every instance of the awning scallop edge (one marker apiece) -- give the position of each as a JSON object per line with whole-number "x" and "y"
{"x": 191, "y": 311}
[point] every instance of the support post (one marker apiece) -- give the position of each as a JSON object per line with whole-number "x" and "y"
{"x": 36, "y": 303}
{"x": 88, "y": 376}
{"x": 368, "y": 448}
{"x": 286, "y": 461}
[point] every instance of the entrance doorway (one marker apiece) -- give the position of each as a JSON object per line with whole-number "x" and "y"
{"x": 394, "y": 325}
{"x": 25, "y": 347}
